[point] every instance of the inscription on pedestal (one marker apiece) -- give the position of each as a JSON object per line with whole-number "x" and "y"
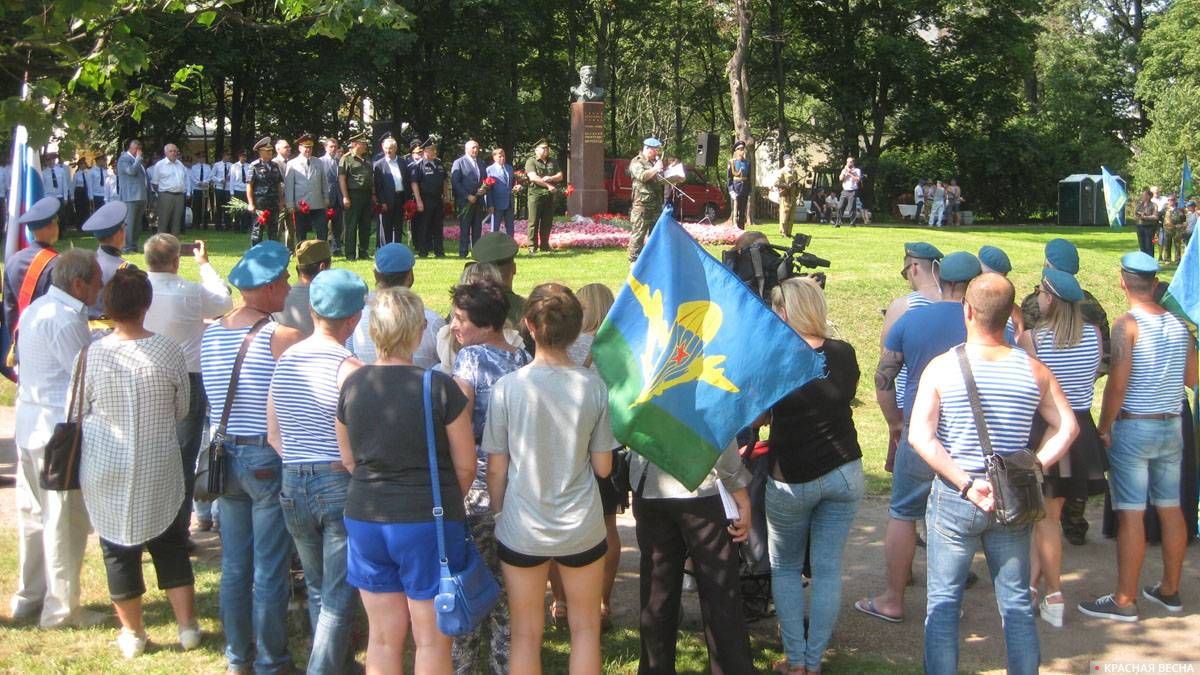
{"x": 585, "y": 170}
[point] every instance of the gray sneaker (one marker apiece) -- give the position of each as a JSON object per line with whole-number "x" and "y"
{"x": 1105, "y": 607}
{"x": 1172, "y": 603}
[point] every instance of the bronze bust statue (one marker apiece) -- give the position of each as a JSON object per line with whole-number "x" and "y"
{"x": 588, "y": 90}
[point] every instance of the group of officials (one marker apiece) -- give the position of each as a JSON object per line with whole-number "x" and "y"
{"x": 341, "y": 196}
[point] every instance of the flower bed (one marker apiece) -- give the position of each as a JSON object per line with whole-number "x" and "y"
{"x": 607, "y": 230}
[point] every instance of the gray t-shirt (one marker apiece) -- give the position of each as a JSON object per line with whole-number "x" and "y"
{"x": 548, "y": 419}
{"x": 296, "y": 312}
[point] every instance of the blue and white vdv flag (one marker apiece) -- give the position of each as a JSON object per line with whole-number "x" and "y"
{"x": 24, "y": 188}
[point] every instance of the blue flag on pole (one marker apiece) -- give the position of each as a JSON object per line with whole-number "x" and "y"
{"x": 1114, "y": 199}
{"x": 1185, "y": 184}
{"x": 691, "y": 356}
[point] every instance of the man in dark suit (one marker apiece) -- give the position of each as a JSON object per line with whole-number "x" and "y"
{"x": 330, "y": 161}
{"x": 466, "y": 176}
{"x": 391, "y": 177}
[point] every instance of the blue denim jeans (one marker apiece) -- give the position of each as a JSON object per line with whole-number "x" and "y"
{"x": 1145, "y": 458}
{"x": 955, "y": 530}
{"x": 313, "y": 500}
{"x": 255, "y": 549}
{"x": 821, "y": 510}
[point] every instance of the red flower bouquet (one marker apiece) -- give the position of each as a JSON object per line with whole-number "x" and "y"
{"x": 410, "y": 209}
{"x": 569, "y": 190}
{"x": 377, "y": 209}
{"x": 330, "y": 213}
{"x": 264, "y": 217}
{"x": 485, "y": 186}
{"x": 304, "y": 207}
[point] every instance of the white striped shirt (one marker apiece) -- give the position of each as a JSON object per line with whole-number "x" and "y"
{"x": 218, "y": 350}
{"x": 304, "y": 391}
{"x": 915, "y": 300}
{"x": 1074, "y": 367}
{"x": 1009, "y": 395}
{"x": 1159, "y": 359}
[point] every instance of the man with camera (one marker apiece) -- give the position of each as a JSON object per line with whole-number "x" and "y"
{"x": 1012, "y": 388}
{"x": 851, "y": 176}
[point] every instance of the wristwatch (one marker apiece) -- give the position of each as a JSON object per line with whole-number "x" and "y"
{"x": 966, "y": 488}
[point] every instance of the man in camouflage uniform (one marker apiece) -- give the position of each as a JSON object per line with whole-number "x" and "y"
{"x": 646, "y": 194}
{"x": 1063, "y": 256}
{"x": 788, "y": 183}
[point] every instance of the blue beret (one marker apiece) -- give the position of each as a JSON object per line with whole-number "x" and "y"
{"x": 394, "y": 258}
{"x": 1062, "y": 285}
{"x": 337, "y": 294}
{"x": 1139, "y": 263}
{"x": 41, "y": 213}
{"x": 959, "y": 266}
{"x": 652, "y": 142}
{"x": 107, "y": 220}
{"x": 261, "y": 265}
{"x": 922, "y": 250}
{"x": 1062, "y": 255}
{"x": 995, "y": 259}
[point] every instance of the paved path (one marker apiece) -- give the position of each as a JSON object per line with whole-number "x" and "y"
{"x": 1091, "y": 570}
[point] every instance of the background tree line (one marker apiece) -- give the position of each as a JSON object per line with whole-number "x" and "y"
{"x": 1007, "y": 95}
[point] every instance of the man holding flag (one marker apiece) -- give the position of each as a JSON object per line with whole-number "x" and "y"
{"x": 690, "y": 357}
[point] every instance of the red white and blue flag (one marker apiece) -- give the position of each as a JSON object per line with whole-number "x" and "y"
{"x": 24, "y": 188}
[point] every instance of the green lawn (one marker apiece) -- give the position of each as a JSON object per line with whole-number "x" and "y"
{"x": 862, "y": 281}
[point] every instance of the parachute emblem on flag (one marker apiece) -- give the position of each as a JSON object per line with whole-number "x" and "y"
{"x": 675, "y": 353}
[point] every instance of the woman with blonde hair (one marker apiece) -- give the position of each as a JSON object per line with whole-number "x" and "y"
{"x": 392, "y": 552}
{"x": 1070, "y": 348}
{"x": 816, "y": 481}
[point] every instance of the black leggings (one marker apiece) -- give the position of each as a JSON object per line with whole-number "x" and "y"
{"x": 123, "y": 564}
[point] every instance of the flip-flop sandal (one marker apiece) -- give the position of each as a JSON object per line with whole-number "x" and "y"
{"x": 869, "y": 610}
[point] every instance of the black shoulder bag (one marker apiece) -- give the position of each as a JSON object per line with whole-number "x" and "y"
{"x": 210, "y": 466}
{"x": 60, "y": 463}
{"x": 1016, "y": 478}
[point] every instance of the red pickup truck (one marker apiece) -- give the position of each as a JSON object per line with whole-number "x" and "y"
{"x": 707, "y": 201}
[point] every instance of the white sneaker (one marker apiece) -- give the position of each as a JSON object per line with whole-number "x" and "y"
{"x": 1051, "y": 612}
{"x": 130, "y": 643}
{"x": 189, "y": 637}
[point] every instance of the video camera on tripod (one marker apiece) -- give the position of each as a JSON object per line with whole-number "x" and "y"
{"x": 763, "y": 265}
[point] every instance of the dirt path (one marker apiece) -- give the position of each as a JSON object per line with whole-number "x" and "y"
{"x": 1090, "y": 570}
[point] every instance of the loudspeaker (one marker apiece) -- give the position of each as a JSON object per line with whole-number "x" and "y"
{"x": 707, "y": 147}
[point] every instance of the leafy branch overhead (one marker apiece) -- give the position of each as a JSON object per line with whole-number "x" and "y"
{"x": 71, "y": 48}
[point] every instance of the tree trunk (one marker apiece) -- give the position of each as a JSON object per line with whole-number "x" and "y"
{"x": 739, "y": 90}
{"x": 785, "y": 138}
{"x": 612, "y": 91}
{"x": 677, "y": 83}
{"x": 222, "y": 113}
{"x": 236, "y": 138}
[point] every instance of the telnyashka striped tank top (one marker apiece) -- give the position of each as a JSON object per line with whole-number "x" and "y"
{"x": 1010, "y": 399}
{"x": 305, "y": 393}
{"x": 1159, "y": 358}
{"x": 1074, "y": 367}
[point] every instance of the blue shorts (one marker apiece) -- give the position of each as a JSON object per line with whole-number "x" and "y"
{"x": 401, "y": 557}
{"x": 1144, "y": 463}
{"x": 911, "y": 480}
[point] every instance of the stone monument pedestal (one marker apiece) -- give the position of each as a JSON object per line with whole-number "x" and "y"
{"x": 585, "y": 168}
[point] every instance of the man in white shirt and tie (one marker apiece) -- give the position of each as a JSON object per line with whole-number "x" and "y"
{"x": 220, "y": 183}
{"x": 170, "y": 179}
{"x": 95, "y": 179}
{"x": 239, "y": 176}
{"x": 304, "y": 193}
{"x": 201, "y": 174}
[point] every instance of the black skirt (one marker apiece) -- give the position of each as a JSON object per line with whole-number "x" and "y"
{"x": 1080, "y": 472}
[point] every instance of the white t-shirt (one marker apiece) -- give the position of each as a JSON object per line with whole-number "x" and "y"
{"x": 852, "y": 177}
{"x": 548, "y": 420}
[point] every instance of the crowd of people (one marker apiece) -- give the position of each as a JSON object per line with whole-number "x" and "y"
{"x": 316, "y": 396}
